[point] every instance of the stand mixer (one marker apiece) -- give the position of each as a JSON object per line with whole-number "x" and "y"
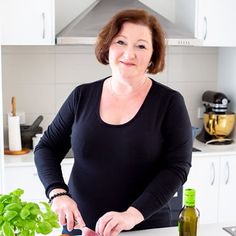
{"x": 218, "y": 122}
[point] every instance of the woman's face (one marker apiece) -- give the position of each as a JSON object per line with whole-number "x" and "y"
{"x": 131, "y": 50}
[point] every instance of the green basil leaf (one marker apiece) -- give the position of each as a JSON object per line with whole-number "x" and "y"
{"x": 24, "y": 213}
{"x": 44, "y": 228}
{"x": 9, "y": 215}
{"x": 13, "y": 206}
{"x": 7, "y": 229}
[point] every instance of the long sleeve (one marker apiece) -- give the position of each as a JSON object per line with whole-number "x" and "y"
{"x": 176, "y": 129}
{"x": 54, "y": 145}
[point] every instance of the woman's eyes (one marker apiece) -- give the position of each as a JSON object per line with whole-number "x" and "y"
{"x": 141, "y": 47}
{"x": 121, "y": 42}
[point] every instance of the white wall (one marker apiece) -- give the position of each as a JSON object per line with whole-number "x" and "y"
{"x": 42, "y": 77}
{"x": 227, "y": 75}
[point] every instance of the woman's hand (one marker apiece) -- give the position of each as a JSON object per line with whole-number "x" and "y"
{"x": 112, "y": 223}
{"x": 67, "y": 210}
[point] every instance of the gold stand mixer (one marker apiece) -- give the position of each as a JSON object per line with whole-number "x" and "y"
{"x": 218, "y": 123}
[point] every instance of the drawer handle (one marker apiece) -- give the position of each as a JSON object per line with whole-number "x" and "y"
{"x": 205, "y": 23}
{"x": 228, "y": 172}
{"x": 213, "y": 171}
{"x": 43, "y": 19}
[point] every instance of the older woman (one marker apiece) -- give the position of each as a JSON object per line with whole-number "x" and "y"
{"x": 130, "y": 135}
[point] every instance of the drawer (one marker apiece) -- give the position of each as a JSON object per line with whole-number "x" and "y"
{"x": 25, "y": 177}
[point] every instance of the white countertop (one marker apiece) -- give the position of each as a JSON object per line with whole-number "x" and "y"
{"x": 26, "y": 160}
{"x": 204, "y": 230}
{"x": 214, "y": 150}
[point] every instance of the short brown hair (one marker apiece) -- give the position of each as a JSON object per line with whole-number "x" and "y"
{"x": 113, "y": 27}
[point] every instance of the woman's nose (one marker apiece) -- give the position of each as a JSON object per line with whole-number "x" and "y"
{"x": 129, "y": 53}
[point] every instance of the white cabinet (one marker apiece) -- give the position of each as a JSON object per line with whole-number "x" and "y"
{"x": 227, "y": 206}
{"x": 204, "y": 178}
{"x": 209, "y": 20}
{"x": 1, "y": 128}
{"x": 25, "y": 176}
{"x": 28, "y": 22}
{"x": 214, "y": 178}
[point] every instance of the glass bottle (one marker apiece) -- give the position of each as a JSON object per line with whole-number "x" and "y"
{"x": 189, "y": 215}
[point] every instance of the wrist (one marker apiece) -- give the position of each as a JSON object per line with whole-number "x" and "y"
{"x": 55, "y": 191}
{"x": 59, "y": 194}
{"x": 135, "y": 214}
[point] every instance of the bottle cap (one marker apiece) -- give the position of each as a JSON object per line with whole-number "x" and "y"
{"x": 189, "y": 197}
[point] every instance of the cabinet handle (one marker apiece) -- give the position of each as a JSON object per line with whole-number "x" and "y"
{"x": 214, "y": 172}
{"x": 205, "y": 24}
{"x": 43, "y": 19}
{"x": 228, "y": 172}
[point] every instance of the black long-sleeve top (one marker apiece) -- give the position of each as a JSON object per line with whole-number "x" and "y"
{"x": 141, "y": 163}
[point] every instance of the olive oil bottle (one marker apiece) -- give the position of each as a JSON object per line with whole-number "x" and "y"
{"x": 189, "y": 215}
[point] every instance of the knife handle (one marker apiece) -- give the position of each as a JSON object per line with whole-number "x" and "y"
{"x": 73, "y": 232}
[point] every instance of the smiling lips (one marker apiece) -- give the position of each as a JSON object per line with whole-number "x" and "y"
{"x": 126, "y": 63}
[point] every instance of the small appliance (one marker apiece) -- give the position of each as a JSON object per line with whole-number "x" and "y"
{"x": 218, "y": 122}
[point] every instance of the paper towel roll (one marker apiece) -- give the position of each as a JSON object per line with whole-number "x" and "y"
{"x": 14, "y": 136}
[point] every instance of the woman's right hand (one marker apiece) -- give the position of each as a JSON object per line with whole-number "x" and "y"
{"x": 66, "y": 209}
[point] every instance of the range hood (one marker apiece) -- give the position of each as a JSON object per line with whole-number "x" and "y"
{"x": 84, "y": 28}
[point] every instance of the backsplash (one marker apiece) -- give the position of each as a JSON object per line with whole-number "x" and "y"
{"x": 41, "y": 77}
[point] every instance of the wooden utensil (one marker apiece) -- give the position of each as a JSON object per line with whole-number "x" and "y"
{"x": 13, "y": 105}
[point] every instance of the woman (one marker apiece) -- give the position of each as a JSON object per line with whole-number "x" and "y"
{"x": 131, "y": 136}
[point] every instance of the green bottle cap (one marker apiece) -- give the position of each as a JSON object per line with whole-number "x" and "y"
{"x": 189, "y": 197}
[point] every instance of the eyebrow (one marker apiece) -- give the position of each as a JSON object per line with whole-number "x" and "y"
{"x": 143, "y": 40}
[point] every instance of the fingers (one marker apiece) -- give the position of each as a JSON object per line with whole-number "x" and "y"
{"x": 70, "y": 220}
{"x": 79, "y": 222}
{"x": 102, "y": 223}
{"x": 109, "y": 225}
{"x": 68, "y": 213}
{"x": 61, "y": 219}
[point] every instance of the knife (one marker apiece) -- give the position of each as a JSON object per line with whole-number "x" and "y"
{"x": 85, "y": 231}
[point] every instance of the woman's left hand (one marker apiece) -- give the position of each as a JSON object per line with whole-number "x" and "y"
{"x": 112, "y": 223}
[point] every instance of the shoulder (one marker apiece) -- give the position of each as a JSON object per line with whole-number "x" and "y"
{"x": 165, "y": 93}
{"x": 86, "y": 87}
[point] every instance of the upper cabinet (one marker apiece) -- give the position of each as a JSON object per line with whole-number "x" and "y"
{"x": 32, "y": 22}
{"x": 209, "y": 20}
{"x": 28, "y": 22}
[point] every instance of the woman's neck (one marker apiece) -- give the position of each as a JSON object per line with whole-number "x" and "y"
{"x": 124, "y": 87}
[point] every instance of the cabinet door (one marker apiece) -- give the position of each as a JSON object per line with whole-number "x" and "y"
{"x": 28, "y": 22}
{"x": 227, "y": 207}
{"x": 25, "y": 177}
{"x": 1, "y": 128}
{"x": 209, "y": 20}
{"x": 204, "y": 178}
{"x": 66, "y": 170}
{"x": 215, "y": 22}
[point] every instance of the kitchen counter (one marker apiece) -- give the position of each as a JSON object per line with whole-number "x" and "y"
{"x": 213, "y": 149}
{"x": 27, "y": 160}
{"x": 204, "y": 230}
{"x": 210, "y": 150}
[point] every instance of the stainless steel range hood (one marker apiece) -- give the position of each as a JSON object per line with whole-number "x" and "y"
{"x": 84, "y": 29}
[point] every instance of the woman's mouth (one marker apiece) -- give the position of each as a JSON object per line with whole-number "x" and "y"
{"x": 127, "y": 63}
